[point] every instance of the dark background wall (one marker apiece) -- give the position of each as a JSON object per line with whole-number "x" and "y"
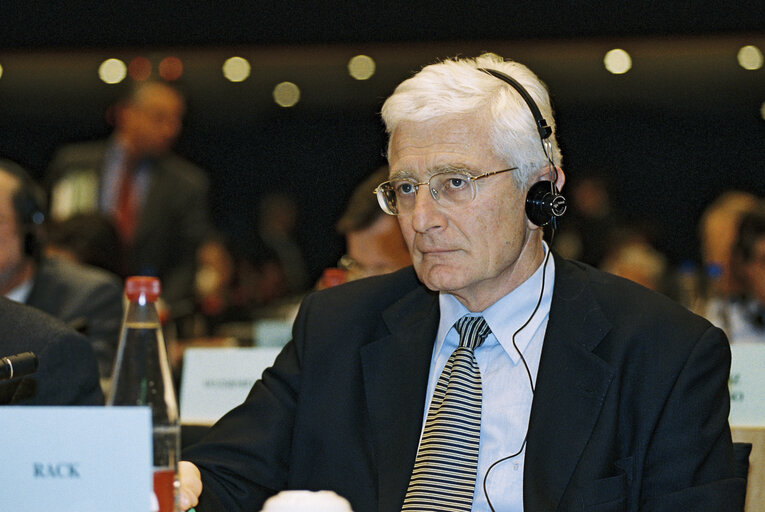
{"x": 672, "y": 133}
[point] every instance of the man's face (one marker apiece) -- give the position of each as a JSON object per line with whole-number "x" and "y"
{"x": 377, "y": 249}
{"x": 153, "y": 121}
{"x": 479, "y": 251}
{"x": 12, "y": 257}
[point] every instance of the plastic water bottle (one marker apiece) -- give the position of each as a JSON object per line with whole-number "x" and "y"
{"x": 142, "y": 376}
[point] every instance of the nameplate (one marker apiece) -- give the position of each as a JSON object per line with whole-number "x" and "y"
{"x": 747, "y": 385}
{"x": 215, "y": 380}
{"x": 88, "y": 459}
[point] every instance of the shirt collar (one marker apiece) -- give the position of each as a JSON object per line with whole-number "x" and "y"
{"x": 21, "y": 292}
{"x": 509, "y": 313}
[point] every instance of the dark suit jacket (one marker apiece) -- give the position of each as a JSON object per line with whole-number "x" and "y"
{"x": 629, "y": 413}
{"x": 67, "y": 373}
{"x": 87, "y": 298}
{"x": 171, "y": 225}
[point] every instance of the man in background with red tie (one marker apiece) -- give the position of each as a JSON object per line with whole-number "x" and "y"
{"x": 494, "y": 375}
{"x": 156, "y": 199}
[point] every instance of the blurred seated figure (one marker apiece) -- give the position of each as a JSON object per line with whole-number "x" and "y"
{"x": 590, "y": 223}
{"x": 87, "y": 298}
{"x": 638, "y": 261}
{"x": 67, "y": 373}
{"x": 717, "y": 233}
{"x": 277, "y": 220}
{"x": 373, "y": 240}
{"x": 218, "y": 297}
{"x": 742, "y": 316}
{"x": 236, "y": 285}
{"x": 88, "y": 238}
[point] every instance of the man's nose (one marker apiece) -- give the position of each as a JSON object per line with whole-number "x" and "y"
{"x": 427, "y": 214}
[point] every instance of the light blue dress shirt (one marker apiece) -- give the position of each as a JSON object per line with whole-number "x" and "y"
{"x": 507, "y": 390}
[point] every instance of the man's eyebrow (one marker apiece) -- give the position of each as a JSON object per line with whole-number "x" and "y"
{"x": 456, "y": 167}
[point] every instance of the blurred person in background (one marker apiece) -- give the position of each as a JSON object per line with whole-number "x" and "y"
{"x": 67, "y": 372}
{"x": 88, "y": 238}
{"x": 742, "y": 315}
{"x": 717, "y": 233}
{"x": 374, "y": 244}
{"x": 87, "y": 298}
{"x": 156, "y": 199}
{"x": 586, "y": 232}
{"x": 637, "y": 260}
{"x": 277, "y": 222}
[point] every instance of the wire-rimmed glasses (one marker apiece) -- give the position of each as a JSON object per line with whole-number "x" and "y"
{"x": 448, "y": 188}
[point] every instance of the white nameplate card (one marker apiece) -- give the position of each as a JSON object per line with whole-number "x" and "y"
{"x": 88, "y": 459}
{"x": 215, "y": 380}
{"x": 747, "y": 385}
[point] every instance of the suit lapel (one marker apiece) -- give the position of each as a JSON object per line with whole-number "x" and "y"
{"x": 395, "y": 371}
{"x": 570, "y": 389}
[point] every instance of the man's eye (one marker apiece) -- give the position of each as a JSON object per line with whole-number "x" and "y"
{"x": 404, "y": 188}
{"x": 455, "y": 182}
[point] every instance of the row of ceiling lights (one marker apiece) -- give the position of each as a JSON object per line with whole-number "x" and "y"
{"x": 360, "y": 67}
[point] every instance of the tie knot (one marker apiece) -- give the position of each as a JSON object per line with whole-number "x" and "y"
{"x": 473, "y": 330}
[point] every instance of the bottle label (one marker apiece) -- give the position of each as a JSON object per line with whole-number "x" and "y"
{"x": 164, "y": 489}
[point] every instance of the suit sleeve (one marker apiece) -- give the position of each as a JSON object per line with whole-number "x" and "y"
{"x": 244, "y": 458}
{"x": 67, "y": 374}
{"x": 689, "y": 461}
{"x": 104, "y": 311}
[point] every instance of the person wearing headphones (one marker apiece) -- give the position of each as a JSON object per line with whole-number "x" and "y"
{"x": 65, "y": 373}
{"x": 493, "y": 375}
{"x": 87, "y": 298}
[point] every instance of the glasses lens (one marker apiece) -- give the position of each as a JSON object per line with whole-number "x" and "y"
{"x": 452, "y": 188}
{"x": 386, "y": 198}
{"x": 403, "y": 192}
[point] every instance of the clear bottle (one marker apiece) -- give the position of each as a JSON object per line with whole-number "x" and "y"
{"x": 142, "y": 376}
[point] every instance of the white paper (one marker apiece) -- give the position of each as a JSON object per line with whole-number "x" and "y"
{"x": 215, "y": 380}
{"x": 84, "y": 459}
{"x": 747, "y": 385}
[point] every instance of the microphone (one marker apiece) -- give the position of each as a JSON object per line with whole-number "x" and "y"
{"x": 17, "y": 365}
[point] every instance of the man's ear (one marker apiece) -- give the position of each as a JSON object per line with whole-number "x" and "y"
{"x": 561, "y": 178}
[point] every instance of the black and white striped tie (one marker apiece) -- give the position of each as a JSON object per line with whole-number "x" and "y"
{"x": 445, "y": 468}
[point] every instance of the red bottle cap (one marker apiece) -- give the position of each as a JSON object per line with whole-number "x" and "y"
{"x": 135, "y": 286}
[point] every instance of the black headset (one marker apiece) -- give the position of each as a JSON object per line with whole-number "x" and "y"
{"x": 544, "y": 204}
{"x": 29, "y": 205}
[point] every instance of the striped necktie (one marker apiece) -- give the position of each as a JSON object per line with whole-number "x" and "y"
{"x": 445, "y": 468}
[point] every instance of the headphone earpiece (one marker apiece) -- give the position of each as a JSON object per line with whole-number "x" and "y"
{"x": 544, "y": 204}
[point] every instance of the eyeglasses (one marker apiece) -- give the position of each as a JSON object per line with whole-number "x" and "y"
{"x": 448, "y": 188}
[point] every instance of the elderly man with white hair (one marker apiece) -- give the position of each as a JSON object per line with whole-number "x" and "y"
{"x": 493, "y": 375}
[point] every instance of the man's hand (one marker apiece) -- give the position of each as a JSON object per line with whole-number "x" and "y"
{"x": 191, "y": 485}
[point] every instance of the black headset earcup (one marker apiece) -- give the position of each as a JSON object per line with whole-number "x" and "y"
{"x": 544, "y": 204}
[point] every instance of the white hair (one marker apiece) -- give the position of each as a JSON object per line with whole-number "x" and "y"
{"x": 457, "y": 86}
